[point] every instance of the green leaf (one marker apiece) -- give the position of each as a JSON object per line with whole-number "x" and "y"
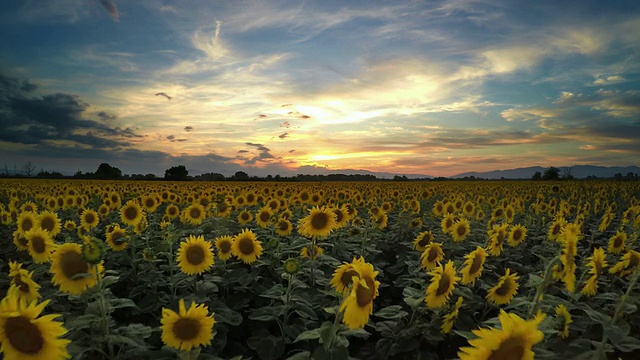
{"x": 391, "y": 312}
{"x": 275, "y": 292}
{"x": 303, "y": 355}
{"x": 360, "y": 333}
{"x": 109, "y": 280}
{"x": 122, "y": 303}
{"x": 267, "y": 313}
{"x": 628, "y": 344}
{"x": 327, "y": 333}
{"x": 309, "y": 335}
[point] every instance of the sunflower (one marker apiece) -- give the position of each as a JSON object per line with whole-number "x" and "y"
{"x": 26, "y": 220}
{"x": 26, "y": 289}
{"x": 131, "y": 213}
{"x": 605, "y": 221}
{"x": 172, "y": 211}
{"x": 70, "y": 271}
{"x": 469, "y": 209}
{"x": 70, "y": 225}
{"x": 431, "y": 256}
{"x": 473, "y": 266}
{"x": 263, "y": 217}
{"x": 596, "y": 264}
{"x": 568, "y": 262}
{"x": 556, "y": 229}
{"x": 20, "y": 241}
{"x": 223, "y": 245}
{"x": 194, "y": 214}
{"x": 284, "y": 227}
{"x": 40, "y": 245}
{"x": 629, "y": 263}
{"x": 150, "y": 203}
{"x": 291, "y": 266}
{"x": 503, "y": 292}
{"x": 49, "y": 221}
{"x": 117, "y": 239}
{"x": 318, "y": 224}
{"x": 89, "y": 219}
{"x": 450, "y": 318}
{"x": 246, "y": 247}
{"x": 513, "y": 341}
{"x": 25, "y": 335}
{"x": 381, "y": 220}
{"x": 517, "y": 235}
{"x": 341, "y": 216}
{"x": 447, "y": 223}
{"x": 443, "y": 282}
{"x": 364, "y": 289}
{"x": 245, "y": 217}
{"x": 195, "y": 256}
{"x": 497, "y": 236}
{"x": 422, "y": 240}
{"x": 562, "y": 314}
{"x": 187, "y": 328}
{"x": 460, "y": 230}
{"x": 343, "y": 277}
{"x": 29, "y": 206}
{"x": 617, "y": 242}
{"x": 307, "y": 253}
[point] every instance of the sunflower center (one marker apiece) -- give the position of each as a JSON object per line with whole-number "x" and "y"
{"x": 195, "y": 255}
{"x": 264, "y": 216}
{"x": 131, "y": 213}
{"x": 424, "y": 241}
{"x": 37, "y": 243}
{"x": 462, "y": 230}
{"x": 27, "y": 224}
{"x": 433, "y": 254}
{"x": 194, "y": 213}
{"x": 245, "y": 245}
{"x": 617, "y": 241}
{"x": 23, "y": 241}
{"x": 503, "y": 290}
{"x": 339, "y": 215}
{"x": 634, "y": 260}
{"x": 72, "y": 264}
{"x": 244, "y": 216}
{"x": 186, "y": 329}
{"x": 443, "y": 284}
{"x": 150, "y": 203}
{"x": 517, "y": 235}
{"x": 47, "y": 223}
{"x": 89, "y": 218}
{"x": 347, "y": 276}
{"x": 24, "y": 287}
{"x": 283, "y": 225}
{"x": 319, "y": 221}
{"x": 364, "y": 295}
{"x": 511, "y": 348}
{"x": 116, "y": 237}
{"x": 448, "y": 223}
{"x": 475, "y": 265}
{"x": 225, "y": 247}
{"x": 23, "y": 335}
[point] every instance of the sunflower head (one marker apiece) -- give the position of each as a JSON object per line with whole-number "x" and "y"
{"x": 223, "y": 246}
{"x": 187, "y": 329}
{"x": 291, "y": 266}
{"x": 195, "y": 256}
{"x": 131, "y": 213}
{"x": 92, "y": 251}
{"x": 318, "y": 224}
{"x": 246, "y": 246}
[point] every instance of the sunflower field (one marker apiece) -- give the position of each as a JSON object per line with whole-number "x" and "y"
{"x": 364, "y": 270}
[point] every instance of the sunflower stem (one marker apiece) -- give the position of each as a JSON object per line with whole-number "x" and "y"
{"x": 542, "y": 286}
{"x": 313, "y": 266}
{"x": 103, "y": 312}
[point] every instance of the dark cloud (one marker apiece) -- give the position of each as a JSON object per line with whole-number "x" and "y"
{"x": 111, "y": 8}
{"x": 163, "y": 94}
{"x": 28, "y": 86}
{"x": 242, "y": 151}
{"x": 106, "y": 116}
{"x": 188, "y": 128}
{"x": 283, "y": 135}
{"x": 172, "y": 138}
{"x": 292, "y": 151}
{"x": 263, "y": 156}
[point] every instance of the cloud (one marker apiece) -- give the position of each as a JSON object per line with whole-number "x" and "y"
{"x": 111, "y": 8}
{"x": 188, "y": 128}
{"x": 283, "y": 135}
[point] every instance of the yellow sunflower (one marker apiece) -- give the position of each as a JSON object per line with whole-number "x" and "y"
{"x": 343, "y": 277}
{"x": 502, "y": 293}
{"x": 473, "y": 266}
{"x": 284, "y": 227}
{"x": 567, "y": 258}
{"x": 517, "y": 235}
{"x": 131, "y": 213}
{"x": 70, "y": 225}
{"x": 318, "y": 224}
{"x": 447, "y": 223}
{"x": 629, "y": 263}
{"x": 89, "y": 219}
{"x": 194, "y": 214}
{"x": 48, "y": 220}
{"x": 26, "y": 220}
{"x": 195, "y": 255}
{"x": 187, "y": 328}
{"x": 617, "y": 242}
{"x": 150, "y": 203}
{"x": 381, "y": 220}
{"x": 246, "y": 247}
{"x": 422, "y": 240}
{"x": 341, "y": 216}
{"x": 556, "y": 229}
{"x": 117, "y": 239}
{"x": 40, "y": 244}
{"x": 497, "y": 236}
{"x": 70, "y": 272}
{"x": 450, "y": 318}
{"x": 596, "y": 264}
{"x": 431, "y": 256}
{"x": 26, "y": 289}
{"x": 245, "y": 217}
{"x": 364, "y": 289}
{"x": 443, "y": 282}
{"x": 307, "y": 253}
{"x": 20, "y": 241}
{"x": 460, "y": 229}
{"x": 513, "y": 341}
{"x": 224, "y": 245}
{"x": 263, "y": 217}
{"x": 562, "y": 314}
{"x": 25, "y": 335}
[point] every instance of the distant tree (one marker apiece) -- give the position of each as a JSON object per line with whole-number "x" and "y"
{"x": 177, "y": 173}
{"x": 28, "y": 168}
{"x": 240, "y": 176}
{"x": 107, "y": 172}
{"x": 537, "y": 176}
{"x": 150, "y": 176}
{"x": 552, "y": 173}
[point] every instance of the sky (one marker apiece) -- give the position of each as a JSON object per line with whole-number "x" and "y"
{"x": 435, "y": 88}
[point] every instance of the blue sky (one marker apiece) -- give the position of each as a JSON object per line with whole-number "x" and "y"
{"x": 286, "y": 87}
